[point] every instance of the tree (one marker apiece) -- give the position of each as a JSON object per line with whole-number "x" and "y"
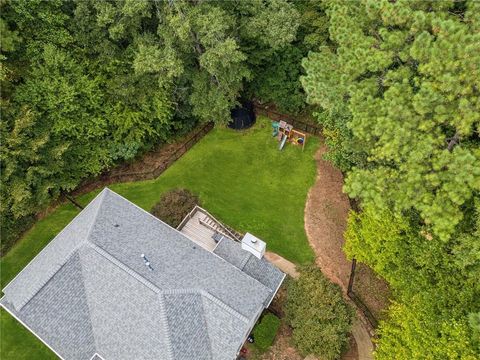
{"x": 404, "y": 78}
{"x": 45, "y": 144}
{"x": 435, "y": 283}
{"x": 318, "y": 314}
{"x": 97, "y": 82}
{"x": 174, "y": 205}
{"x": 442, "y": 338}
{"x": 277, "y": 68}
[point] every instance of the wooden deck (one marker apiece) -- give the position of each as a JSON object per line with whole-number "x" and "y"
{"x": 200, "y": 227}
{"x": 199, "y": 233}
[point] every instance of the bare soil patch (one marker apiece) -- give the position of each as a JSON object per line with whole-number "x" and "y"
{"x": 371, "y": 290}
{"x": 326, "y": 215}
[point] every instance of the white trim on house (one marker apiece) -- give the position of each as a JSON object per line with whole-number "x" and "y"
{"x": 276, "y": 290}
{"x": 251, "y": 325}
{"x": 28, "y": 328}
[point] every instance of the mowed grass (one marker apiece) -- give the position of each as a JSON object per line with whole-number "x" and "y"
{"x": 19, "y": 343}
{"x": 242, "y": 179}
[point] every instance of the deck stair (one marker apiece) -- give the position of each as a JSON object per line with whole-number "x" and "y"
{"x": 213, "y": 224}
{"x": 202, "y": 227}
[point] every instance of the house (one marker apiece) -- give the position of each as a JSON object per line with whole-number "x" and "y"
{"x": 117, "y": 283}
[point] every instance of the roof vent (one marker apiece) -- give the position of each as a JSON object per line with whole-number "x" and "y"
{"x": 147, "y": 263}
{"x": 254, "y": 245}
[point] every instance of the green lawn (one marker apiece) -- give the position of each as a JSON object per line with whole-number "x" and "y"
{"x": 241, "y": 178}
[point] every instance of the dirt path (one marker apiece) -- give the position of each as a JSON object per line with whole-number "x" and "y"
{"x": 283, "y": 264}
{"x": 326, "y": 212}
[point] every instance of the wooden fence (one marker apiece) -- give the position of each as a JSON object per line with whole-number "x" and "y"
{"x": 109, "y": 178}
{"x": 297, "y": 124}
{"x": 187, "y": 145}
{"x": 358, "y": 302}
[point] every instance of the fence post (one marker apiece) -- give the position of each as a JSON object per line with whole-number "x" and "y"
{"x": 72, "y": 200}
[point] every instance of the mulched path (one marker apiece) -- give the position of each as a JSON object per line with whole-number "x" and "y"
{"x": 326, "y": 213}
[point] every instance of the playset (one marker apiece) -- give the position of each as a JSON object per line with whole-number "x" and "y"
{"x": 285, "y": 132}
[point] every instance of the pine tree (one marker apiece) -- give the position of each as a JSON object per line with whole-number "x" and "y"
{"x": 404, "y": 77}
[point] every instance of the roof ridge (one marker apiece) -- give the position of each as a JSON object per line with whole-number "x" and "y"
{"x": 101, "y": 198}
{"x": 224, "y": 306}
{"x": 245, "y": 260}
{"x": 159, "y": 291}
{"x": 164, "y": 320}
{"x": 147, "y": 283}
{"x": 193, "y": 242}
{"x": 52, "y": 242}
{"x": 61, "y": 264}
{"x": 191, "y": 291}
{"x": 87, "y": 300}
{"x": 51, "y": 274}
{"x": 180, "y": 291}
{"x": 207, "y": 295}
{"x": 124, "y": 267}
{"x": 206, "y": 326}
{"x": 248, "y": 257}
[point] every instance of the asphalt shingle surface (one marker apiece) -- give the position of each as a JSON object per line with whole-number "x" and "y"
{"x": 89, "y": 291}
{"x": 260, "y": 269}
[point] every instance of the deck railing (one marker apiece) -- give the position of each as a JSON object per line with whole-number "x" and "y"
{"x": 230, "y": 232}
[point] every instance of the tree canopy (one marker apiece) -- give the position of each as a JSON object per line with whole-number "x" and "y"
{"x": 320, "y": 317}
{"x": 88, "y": 83}
{"x": 398, "y": 91}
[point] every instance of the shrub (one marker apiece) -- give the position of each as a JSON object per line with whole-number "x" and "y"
{"x": 265, "y": 331}
{"x": 318, "y": 314}
{"x": 11, "y": 229}
{"x": 174, "y": 205}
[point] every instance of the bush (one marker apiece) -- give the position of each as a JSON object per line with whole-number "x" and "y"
{"x": 265, "y": 331}
{"x": 318, "y": 314}
{"x": 174, "y": 205}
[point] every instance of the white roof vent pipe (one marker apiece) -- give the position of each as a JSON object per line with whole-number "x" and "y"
{"x": 254, "y": 245}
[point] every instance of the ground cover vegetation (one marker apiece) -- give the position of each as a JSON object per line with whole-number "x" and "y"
{"x": 86, "y": 84}
{"x": 264, "y": 332}
{"x": 399, "y": 96}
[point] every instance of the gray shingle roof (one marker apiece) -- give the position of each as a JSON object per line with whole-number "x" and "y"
{"x": 188, "y": 325}
{"x": 260, "y": 269}
{"x": 64, "y": 292}
{"x": 89, "y": 290}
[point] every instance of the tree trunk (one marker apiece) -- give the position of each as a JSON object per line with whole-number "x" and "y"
{"x": 453, "y": 141}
